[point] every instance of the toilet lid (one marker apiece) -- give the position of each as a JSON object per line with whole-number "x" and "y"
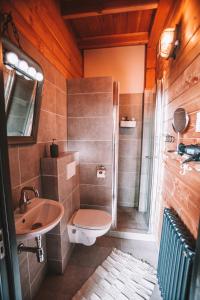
{"x": 92, "y": 219}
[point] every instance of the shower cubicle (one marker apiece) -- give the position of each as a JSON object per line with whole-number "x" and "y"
{"x": 95, "y": 111}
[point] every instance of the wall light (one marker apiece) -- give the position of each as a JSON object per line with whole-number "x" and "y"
{"x": 11, "y": 58}
{"x": 22, "y": 65}
{"x": 168, "y": 43}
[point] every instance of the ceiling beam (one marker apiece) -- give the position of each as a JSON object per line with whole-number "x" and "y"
{"x": 74, "y": 9}
{"x": 161, "y": 17}
{"x": 164, "y": 10}
{"x": 113, "y": 40}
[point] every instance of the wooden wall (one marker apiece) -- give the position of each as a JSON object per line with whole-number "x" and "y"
{"x": 41, "y": 24}
{"x": 182, "y": 89}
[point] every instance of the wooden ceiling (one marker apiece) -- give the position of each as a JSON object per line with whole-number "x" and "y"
{"x": 109, "y": 23}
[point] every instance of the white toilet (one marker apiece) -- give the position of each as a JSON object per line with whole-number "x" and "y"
{"x": 87, "y": 224}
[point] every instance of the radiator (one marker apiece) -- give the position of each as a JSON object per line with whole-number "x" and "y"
{"x": 175, "y": 258}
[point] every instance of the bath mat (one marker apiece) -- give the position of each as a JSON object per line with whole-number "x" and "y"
{"x": 119, "y": 277}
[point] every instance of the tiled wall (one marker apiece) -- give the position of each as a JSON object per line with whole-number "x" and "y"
{"x": 25, "y": 160}
{"x": 90, "y": 126}
{"x": 130, "y": 105}
{"x": 56, "y": 185}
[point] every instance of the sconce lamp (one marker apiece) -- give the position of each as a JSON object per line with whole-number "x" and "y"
{"x": 168, "y": 43}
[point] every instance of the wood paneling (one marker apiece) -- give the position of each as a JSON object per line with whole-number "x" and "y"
{"x": 41, "y": 23}
{"x": 109, "y": 26}
{"x": 74, "y": 9}
{"x": 182, "y": 89}
{"x": 114, "y": 40}
{"x": 113, "y": 24}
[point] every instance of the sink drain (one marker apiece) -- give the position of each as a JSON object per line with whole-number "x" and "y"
{"x": 36, "y": 225}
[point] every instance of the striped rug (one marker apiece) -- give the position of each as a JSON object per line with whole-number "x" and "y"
{"x": 119, "y": 277}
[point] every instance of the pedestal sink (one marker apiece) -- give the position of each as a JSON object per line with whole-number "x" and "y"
{"x": 41, "y": 216}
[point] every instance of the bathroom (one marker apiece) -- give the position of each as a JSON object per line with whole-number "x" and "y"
{"x": 104, "y": 145}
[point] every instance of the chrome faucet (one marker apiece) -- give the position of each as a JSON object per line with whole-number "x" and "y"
{"x": 23, "y": 201}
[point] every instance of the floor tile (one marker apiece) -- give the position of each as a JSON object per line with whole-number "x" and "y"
{"x": 83, "y": 262}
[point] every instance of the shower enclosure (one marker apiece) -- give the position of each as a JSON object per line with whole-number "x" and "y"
{"x": 95, "y": 109}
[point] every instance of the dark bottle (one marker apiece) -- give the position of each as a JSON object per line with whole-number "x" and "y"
{"x": 54, "y": 149}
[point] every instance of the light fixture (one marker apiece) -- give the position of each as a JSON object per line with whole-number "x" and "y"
{"x": 22, "y": 65}
{"x": 32, "y": 72}
{"x": 168, "y": 43}
{"x": 39, "y": 76}
{"x": 11, "y": 58}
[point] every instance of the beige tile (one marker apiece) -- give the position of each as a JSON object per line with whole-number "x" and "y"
{"x": 61, "y": 128}
{"x": 128, "y": 179}
{"x": 61, "y": 103}
{"x": 128, "y": 197}
{"x": 76, "y": 199}
{"x": 34, "y": 266}
{"x": 53, "y": 247}
{"x": 129, "y": 164}
{"x": 90, "y": 105}
{"x": 130, "y": 111}
{"x": 14, "y": 165}
{"x": 29, "y": 157}
{"x": 65, "y": 187}
{"x": 38, "y": 281}
{"x": 90, "y": 85}
{"x": 36, "y": 183}
{"x": 50, "y": 187}
{"x": 131, "y": 99}
{"x": 90, "y": 129}
{"x": 92, "y": 151}
{"x": 131, "y": 133}
{"x": 130, "y": 148}
{"x": 24, "y": 275}
{"x": 65, "y": 159}
{"x": 60, "y": 81}
{"x": 49, "y": 97}
{"x": 95, "y": 195}
{"x": 47, "y": 127}
{"x": 49, "y": 166}
{"x": 88, "y": 175}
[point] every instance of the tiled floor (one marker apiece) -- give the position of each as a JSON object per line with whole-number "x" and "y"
{"x": 85, "y": 260}
{"x": 130, "y": 219}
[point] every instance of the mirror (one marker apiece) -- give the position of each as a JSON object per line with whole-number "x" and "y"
{"x": 180, "y": 120}
{"x": 23, "y": 81}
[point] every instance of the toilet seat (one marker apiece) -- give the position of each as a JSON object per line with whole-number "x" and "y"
{"x": 87, "y": 224}
{"x": 92, "y": 219}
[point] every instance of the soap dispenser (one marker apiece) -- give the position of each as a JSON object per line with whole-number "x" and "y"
{"x": 54, "y": 149}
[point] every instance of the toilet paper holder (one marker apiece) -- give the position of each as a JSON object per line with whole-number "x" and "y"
{"x": 101, "y": 171}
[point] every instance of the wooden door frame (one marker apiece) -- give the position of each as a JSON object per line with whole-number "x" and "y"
{"x": 11, "y": 265}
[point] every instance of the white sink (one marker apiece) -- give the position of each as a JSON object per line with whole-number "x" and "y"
{"x": 41, "y": 216}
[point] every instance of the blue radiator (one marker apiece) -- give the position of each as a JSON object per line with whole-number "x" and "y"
{"x": 175, "y": 258}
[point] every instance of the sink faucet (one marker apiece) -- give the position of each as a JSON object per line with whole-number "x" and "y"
{"x": 23, "y": 201}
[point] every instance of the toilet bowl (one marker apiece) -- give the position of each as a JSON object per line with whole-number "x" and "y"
{"x": 87, "y": 224}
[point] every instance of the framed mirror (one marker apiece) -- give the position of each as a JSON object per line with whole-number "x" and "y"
{"x": 23, "y": 82}
{"x": 180, "y": 120}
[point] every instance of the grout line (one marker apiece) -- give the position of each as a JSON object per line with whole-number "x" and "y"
{"x": 25, "y": 182}
{"x": 90, "y": 117}
{"x": 89, "y": 93}
{"x": 96, "y": 163}
{"x": 95, "y": 185}
{"x": 53, "y": 113}
{"x": 89, "y": 140}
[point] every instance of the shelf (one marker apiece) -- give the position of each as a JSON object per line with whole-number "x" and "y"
{"x": 128, "y": 124}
